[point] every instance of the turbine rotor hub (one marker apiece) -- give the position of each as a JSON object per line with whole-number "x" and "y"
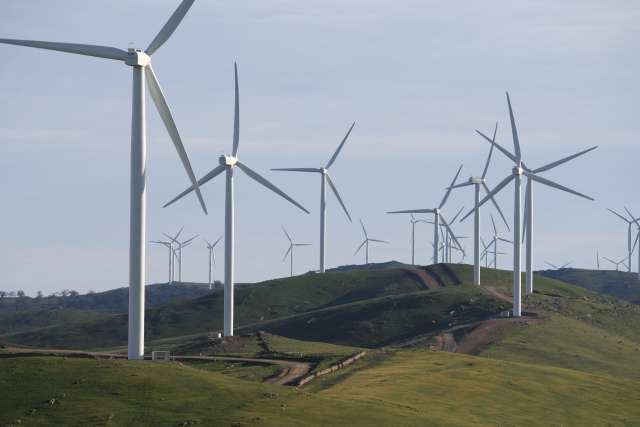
{"x": 517, "y": 170}
{"x": 476, "y": 180}
{"x": 137, "y": 58}
{"x": 228, "y": 160}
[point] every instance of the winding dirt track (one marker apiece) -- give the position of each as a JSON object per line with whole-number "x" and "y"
{"x": 290, "y": 370}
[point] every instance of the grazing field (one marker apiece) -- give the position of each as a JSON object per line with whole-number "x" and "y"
{"x": 619, "y": 284}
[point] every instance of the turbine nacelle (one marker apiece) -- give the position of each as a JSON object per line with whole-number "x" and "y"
{"x": 518, "y": 170}
{"x": 137, "y": 58}
{"x": 476, "y": 180}
{"x": 228, "y": 160}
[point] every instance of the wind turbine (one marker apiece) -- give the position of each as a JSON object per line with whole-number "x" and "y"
{"x": 518, "y": 172}
{"x": 616, "y": 263}
{"x": 140, "y": 63}
{"x": 292, "y": 245}
{"x": 477, "y": 182}
{"x": 635, "y": 220}
{"x": 365, "y": 243}
{"x": 556, "y": 267}
{"x": 414, "y": 221}
{"x": 438, "y": 218}
{"x": 494, "y": 242}
{"x": 228, "y": 165}
{"x": 629, "y": 233}
{"x": 178, "y": 250}
{"x": 168, "y": 245}
{"x": 324, "y": 179}
{"x": 448, "y": 238}
{"x": 597, "y": 260}
{"x": 212, "y": 259}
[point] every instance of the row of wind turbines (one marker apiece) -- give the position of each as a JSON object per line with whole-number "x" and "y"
{"x": 144, "y": 78}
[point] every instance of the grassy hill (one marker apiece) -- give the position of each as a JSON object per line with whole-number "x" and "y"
{"x": 408, "y": 388}
{"x": 619, "y": 284}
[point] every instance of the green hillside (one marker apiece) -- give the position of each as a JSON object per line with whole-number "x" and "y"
{"x": 408, "y": 388}
{"x": 619, "y": 284}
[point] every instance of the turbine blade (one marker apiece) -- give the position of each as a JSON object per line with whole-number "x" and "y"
{"x": 493, "y": 223}
{"x": 236, "y": 114}
{"x": 302, "y": 244}
{"x": 486, "y": 165}
{"x": 505, "y": 240}
{"x": 335, "y": 155}
{"x": 495, "y": 204}
{"x": 179, "y": 232}
{"x": 258, "y": 178}
{"x": 446, "y": 195}
{"x": 633, "y": 218}
{"x": 297, "y": 169}
{"x": 165, "y": 113}
{"x": 564, "y": 160}
{"x": 551, "y": 265}
{"x": 364, "y": 230}
{"x": 464, "y": 184}
{"x": 413, "y": 211}
{"x": 80, "y": 49}
{"x": 169, "y": 27}
{"x": 514, "y": 131}
{"x": 566, "y": 265}
{"x": 556, "y": 185}
{"x": 498, "y": 146}
{"x": 359, "y": 247}
{"x": 287, "y": 253}
{"x": 217, "y": 241}
{"x": 335, "y": 191}
{"x": 457, "y": 215}
{"x": 208, "y": 177}
{"x": 492, "y": 193}
{"x": 287, "y": 234}
{"x": 453, "y": 236}
{"x": 379, "y": 241}
{"x": 188, "y": 241}
{"x": 635, "y": 243}
{"x": 618, "y": 215}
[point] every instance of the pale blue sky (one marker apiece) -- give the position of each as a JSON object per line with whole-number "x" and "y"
{"x": 417, "y": 76}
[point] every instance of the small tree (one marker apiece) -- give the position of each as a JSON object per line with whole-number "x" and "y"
{"x": 20, "y": 294}
{"x": 39, "y": 295}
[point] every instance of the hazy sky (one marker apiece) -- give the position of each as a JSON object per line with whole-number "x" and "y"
{"x": 417, "y": 76}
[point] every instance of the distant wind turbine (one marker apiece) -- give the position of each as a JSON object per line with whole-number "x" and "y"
{"x": 290, "y": 249}
{"x": 324, "y": 180}
{"x": 212, "y": 259}
{"x": 414, "y": 221}
{"x": 629, "y": 222}
{"x": 616, "y": 263}
{"x": 169, "y": 245}
{"x": 365, "y": 243}
{"x": 140, "y": 63}
{"x": 438, "y": 218}
{"x": 179, "y": 245}
{"x": 556, "y": 267}
{"x": 496, "y": 238}
{"x": 228, "y": 165}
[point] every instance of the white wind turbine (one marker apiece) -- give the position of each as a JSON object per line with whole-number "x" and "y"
{"x": 636, "y": 221}
{"x": 140, "y": 63}
{"x": 212, "y": 259}
{"x": 448, "y": 239}
{"x": 169, "y": 245}
{"x": 518, "y": 172}
{"x": 324, "y": 180}
{"x": 629, "y": 233}
{"x": 617, "y": 263}
{"x": 496, "y": 238}
{"x": 477, "y": 182}
{"x": 228, "y": 165}
{"x": 597, "y": 260}
{"x": 365, "y": 243}
{"x": 414, "y": 221}
{"x": 290, "y": 250}
{"x": 438, "y": 218}
{"x": 179, "y": 245}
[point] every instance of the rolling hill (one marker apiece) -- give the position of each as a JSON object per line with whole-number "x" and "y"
{"x": 619, "y": 284}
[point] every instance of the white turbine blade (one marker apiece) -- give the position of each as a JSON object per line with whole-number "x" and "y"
{"x": 618, "y": 215}
{"x": 514, "y": 131}
{"x": 287, "y": 234}
{"x": 167, "y": 118}
{"x": 208, "y": 177}
{"x": 287, "y": 253}
{"x": 483, "y": 243}
{"x": 446, "y": 195}
{"x": 551, "y": 265}
{"x": 335, "y": 155}
{"x": 413, "y": 211}
{"x": 453, "y": 236}
{"x": 188, "y": 241}
{"x": 457, "y": 215}
{"x": 179, "y": 233}
{"x": 505, "y": 240}
{"x": 335, "y": 191}
{"x": 80, "y": 49}
{"x": 495, "y": 204}
{"x": 297, "y": 169}
{"x": 498, "y": 146}
{"x": 633, "y": 218}
{"x": 550, "y": 183}
{"x": 170, "y": 26}
{"x": 464, "y": 184}
{"x": 486, "y": 165}
{"x": 492, "y": 193}
{"x": 258, "y": 178}
{"x": 359, "y": 247}
{"x": 610, "y": 260}
{"x": 208, "y": 243}
{"x": 169, "y": 237}
{"x": 493, "y": 223}
{"x": 564, "y": 160}
{"x": 566, "y": 265}
{"x": 379, "y": 241}
{"x": 364, "y": 230}
{"x": 635, "y": 243}
{"x": 302, "y": 244}
{"x": 236, "y": 114}
{"x": 217, "y": 241}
